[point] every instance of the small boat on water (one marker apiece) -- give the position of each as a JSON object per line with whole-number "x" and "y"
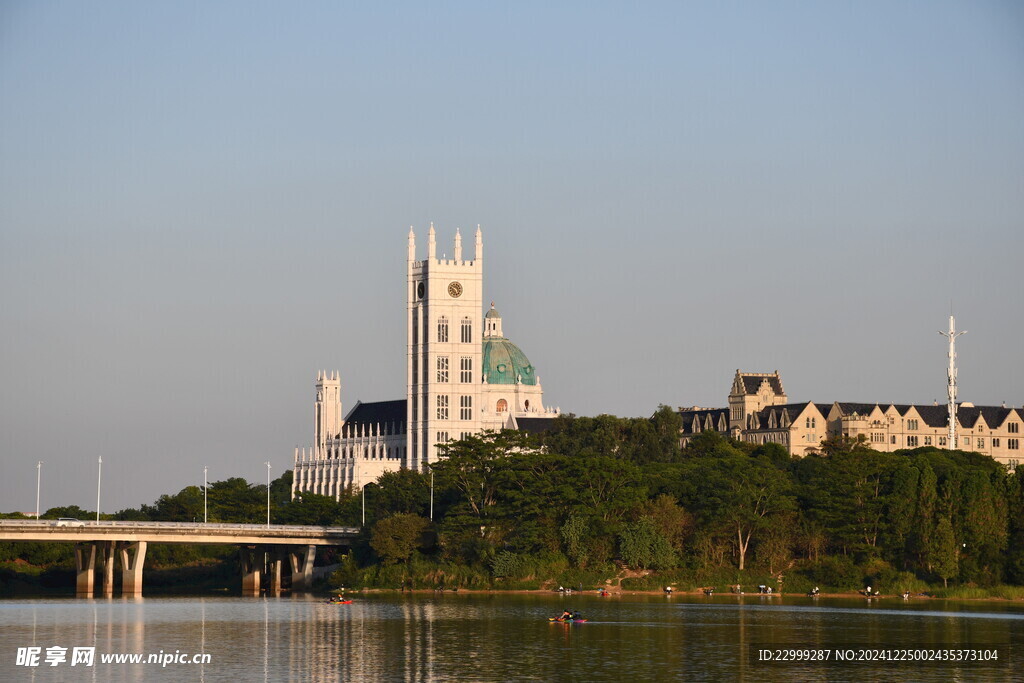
{"x": 566, "y": 621}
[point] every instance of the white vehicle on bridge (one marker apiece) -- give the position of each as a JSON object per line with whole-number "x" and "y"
{"x": 68, "y": 521}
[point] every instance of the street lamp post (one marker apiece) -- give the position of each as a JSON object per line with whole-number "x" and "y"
{"x": 268, "y": 492}
{"x": 99, "y": 480}
{"x": 39, "y": 472}
{"x": 205, "y": 486}
{"x": 431, "y": 495}
{"x": 363, "y": 490}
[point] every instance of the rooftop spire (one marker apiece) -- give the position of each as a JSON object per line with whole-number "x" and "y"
{"x": 431, "y": 244}
{"x": 458, "y": 245}
{"x": 479, "y": 243}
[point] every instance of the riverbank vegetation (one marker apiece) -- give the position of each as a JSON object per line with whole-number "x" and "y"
{"x": 614, "y": 502}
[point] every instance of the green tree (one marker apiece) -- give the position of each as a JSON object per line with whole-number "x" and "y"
{"x": 395, "y": 538}
{"x": 672, "y": 521}
{"x": 575, "y": 531}
{"x": 944, "y": 554}
{"x": 235, "y": 501}
{"x": 642, "y": 546}
{"x": 404, "y": 490}
{"x": 775, "y": 548}
{"x": 471, "y": 466}
{"x": 184, "y": 506}
{"x": 923, "y": 527}
{"x": 739, "y": 495}
{"x": 309, "y": 509}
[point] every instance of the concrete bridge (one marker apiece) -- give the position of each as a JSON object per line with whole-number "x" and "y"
{"x": 262, "y": 548}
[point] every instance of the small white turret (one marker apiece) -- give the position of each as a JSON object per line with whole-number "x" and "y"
{"x": 492, "y": 323}
{"x": 412, "y": 244}
{"x": 431, "y": 244}
{"x": 479, "y": 244}
{"x": 458, "y": 246}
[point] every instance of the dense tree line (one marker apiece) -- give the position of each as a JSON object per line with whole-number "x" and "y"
{"x": 598, "y": 496}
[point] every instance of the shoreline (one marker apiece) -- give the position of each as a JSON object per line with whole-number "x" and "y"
{"x": 696, "y": 593}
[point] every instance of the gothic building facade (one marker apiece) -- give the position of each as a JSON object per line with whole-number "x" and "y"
{"x": 463, "y": 376}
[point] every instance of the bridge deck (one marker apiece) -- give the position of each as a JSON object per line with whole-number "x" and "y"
{"x": 174, "y": 532}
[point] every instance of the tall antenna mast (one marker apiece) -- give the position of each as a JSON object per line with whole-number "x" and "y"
{"x": 951, "y": 380}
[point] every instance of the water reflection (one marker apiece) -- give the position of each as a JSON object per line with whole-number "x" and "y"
{"x": 496, "y": 637}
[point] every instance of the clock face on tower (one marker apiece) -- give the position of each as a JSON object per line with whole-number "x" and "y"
{"x": 455, "y": 290}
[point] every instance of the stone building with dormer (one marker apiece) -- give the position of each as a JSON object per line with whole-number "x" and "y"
{"x": 759, "y": 412}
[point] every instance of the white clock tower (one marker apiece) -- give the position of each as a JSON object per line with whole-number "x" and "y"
{"x": 443, "y": 364}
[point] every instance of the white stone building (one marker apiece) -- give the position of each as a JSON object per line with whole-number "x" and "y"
{"x": 463, "y": 376}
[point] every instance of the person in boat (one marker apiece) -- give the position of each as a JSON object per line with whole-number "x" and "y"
{"x": 566, "y": 616}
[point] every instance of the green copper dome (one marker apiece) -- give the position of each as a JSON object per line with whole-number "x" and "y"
{"x": 504, "y": 362}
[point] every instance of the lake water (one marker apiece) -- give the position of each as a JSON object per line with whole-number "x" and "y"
{"x": 506, "y": 637}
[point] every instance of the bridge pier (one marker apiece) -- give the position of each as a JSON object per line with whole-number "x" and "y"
{"x": 251, "y": 559}
{"x": 107, "y": 556}
{"x": 133, "y": 556}
{"x": 302, "y": 567}
{"x": 85, "y": 569}
{"x": 274, "y": 587}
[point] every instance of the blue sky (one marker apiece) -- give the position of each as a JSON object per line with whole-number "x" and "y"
{"x": 201, "y": 204}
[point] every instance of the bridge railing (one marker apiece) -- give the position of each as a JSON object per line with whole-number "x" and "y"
{"x": 177, "y": 526}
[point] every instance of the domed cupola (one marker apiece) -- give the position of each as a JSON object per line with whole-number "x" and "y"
{"x": 492, "y": 323}
{"x": 503, "y": 361}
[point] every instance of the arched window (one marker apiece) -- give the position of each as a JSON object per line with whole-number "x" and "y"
{"x": 467, "y": 331}
{"x": 502, "y": 405}
{"x": 527, "y": 404}
{"x": 442, "y": 329}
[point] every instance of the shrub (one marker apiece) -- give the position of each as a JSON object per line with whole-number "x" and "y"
{"x": 508, "y": 565}
{"x": 837, "y": 573}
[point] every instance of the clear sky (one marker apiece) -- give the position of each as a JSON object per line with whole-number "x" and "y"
{"x": 203, "y": 203}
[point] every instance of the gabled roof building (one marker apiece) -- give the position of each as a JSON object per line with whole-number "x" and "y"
{"x": 759, "y": 412}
